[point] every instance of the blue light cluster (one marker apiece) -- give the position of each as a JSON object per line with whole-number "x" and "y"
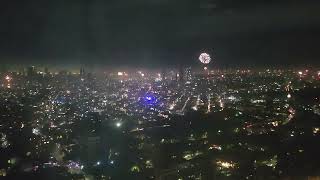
{"x": 150, "y": 99}
{"x": 60, "y": 100}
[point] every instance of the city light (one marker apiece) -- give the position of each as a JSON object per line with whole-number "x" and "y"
{"x": 118, "y": 124}
{"x": 195, "y": 108}
{"x": 217, "y": 147}
{"x": 8, "y": 78}
{"x": 141, "y": 74}
{"x": 225, "y": 164}
{"x": 316, "y": 130}
{"x": 150, "y": 99}
{"x": 195, "y": 117}
{"x": 36, "y": 131}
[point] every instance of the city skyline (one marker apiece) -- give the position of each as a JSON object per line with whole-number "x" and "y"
{"x": 154, "y": 126}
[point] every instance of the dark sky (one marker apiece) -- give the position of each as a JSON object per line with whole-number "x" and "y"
{"x": 160, "y": 32}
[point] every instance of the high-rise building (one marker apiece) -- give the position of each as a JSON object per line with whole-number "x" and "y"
{"x": 188, "y": 74}
{"x": 163, "y": 74}
{"x": 46, "y": 70}
{"x": 82, "y": 72}
{"x": 21, "y": 71}
{"x": 172, "y": 75}
{"x": 31, "y": 71}
{"x": 181, "y": 74}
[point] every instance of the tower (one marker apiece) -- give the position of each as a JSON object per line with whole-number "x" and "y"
{"x": 163, "y": 74}
{"x": 46, "y": 70}
{"x": 181, "y": 74}
{"x": 31, "y": 71}
{"x": 188, "y": 74}
{"x": 82, "y": 72}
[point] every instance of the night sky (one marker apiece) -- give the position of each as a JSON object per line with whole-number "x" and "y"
{"x": 160, "y": 32}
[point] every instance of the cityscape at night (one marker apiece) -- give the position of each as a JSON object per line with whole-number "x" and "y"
{"x": 160, "y": 90}
{"x": 171, "y": 124}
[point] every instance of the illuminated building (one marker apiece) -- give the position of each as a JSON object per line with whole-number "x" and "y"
{"x": 31, "y": 71}
{"x": 188, "y": 74}
{"x": 181, "y": 74}
{"x": 163, "y": 74}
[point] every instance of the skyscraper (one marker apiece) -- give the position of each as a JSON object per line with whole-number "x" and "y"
{"x": 82, "y": 72}
{"x": 31, "y": 71}
{"x": 181, "y": 74}
{"x": 188, "y": 74}
{"x": 163, "y": 74}
{"x": 46, "y": 70}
